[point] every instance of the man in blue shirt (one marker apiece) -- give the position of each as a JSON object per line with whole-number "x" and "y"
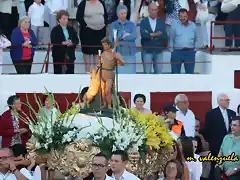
{"x": 123, "y": 34}
{"x": 183, "y": 38}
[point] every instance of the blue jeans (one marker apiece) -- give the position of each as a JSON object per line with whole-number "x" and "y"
{"x": 129, "y": 66}
{"x": 152, "y": 59}
{"x": 187, "y": 57}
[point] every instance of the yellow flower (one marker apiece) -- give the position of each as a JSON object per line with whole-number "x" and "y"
{"x": 156, "y": 132}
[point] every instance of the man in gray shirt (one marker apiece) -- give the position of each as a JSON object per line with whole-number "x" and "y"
{"x": 183, "y": 37}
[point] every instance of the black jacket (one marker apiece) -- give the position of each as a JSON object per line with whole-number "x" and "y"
{"x": 215, "y": 128}
{"x": 59, "y": 51}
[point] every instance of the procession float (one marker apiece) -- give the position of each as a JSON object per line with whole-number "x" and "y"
{"x": 67, "y": 141}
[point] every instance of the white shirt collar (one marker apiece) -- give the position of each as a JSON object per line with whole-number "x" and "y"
{"x": 222, "y": 110}
{"x": 127, "y": 176}
{"x": 151, "y": 19}
{"x": 7, "y": 176}
{"x": 181, "y": 111}
{"x": 38, "y": 5}
{"x": 107, "y": 177}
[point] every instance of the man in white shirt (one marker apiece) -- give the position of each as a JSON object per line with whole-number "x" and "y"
{"x": 8, "y": 170}
{"x": 36, "y": 15}
{"x": 118, "y": 164}
{"x": 185, "y": 115}
{"x": 100, "y": 167}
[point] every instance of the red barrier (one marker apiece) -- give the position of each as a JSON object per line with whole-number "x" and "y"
{"x": 49, "y": 45}
{"x": 211, "y": 32}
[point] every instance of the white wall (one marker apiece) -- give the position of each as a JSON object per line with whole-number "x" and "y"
{"x": 221, "y": 79}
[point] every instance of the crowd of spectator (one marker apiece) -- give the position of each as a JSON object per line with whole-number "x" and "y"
{"x": 98, "y": 19}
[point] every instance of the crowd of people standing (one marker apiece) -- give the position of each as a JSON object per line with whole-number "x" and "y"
{"x": 97, "y": 20}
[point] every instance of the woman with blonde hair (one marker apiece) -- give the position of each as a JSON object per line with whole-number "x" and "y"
{"x": 22, "y": 51}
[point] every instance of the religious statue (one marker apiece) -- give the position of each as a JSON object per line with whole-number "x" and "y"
{"x": 109, "y": 60}
{"x": 103, "y": 78}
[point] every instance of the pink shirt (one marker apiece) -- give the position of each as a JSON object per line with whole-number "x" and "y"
{"x": 26, "y": 52}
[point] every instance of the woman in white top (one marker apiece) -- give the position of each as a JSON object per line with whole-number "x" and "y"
{"x": 50, "y": 111}
{"x": 186, "y": 147}
{"x": 4, "y": 43}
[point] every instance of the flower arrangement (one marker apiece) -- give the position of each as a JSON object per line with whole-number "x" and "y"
{"x": 52, "y": 129}
{"x": 157, "y": 134}
{"x": 123, "y": 135}
{"x": 131, "y": 131}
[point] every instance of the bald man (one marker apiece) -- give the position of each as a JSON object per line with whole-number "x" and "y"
{"x": 153, "y": 33}
{"x": 220, "y": 118}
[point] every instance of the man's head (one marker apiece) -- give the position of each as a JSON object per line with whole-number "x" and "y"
{"x": 19, "y": 152}
{"x": 118, "y": 161}
{"x": 195, "y": 144}
{"x": 14, "y": 103}
{"x": 5, "y": 155}
{"x": 122, "y": 12}
{"x": 223, "y": 100}
{"x": 153, "y": 10}
{"x": 197, "y": 124}
{"x": 181, "y": 101}
{"x": 235, "y": 126}
{"x": 38, "y": 1}
{"x": 170, "y": 111}
{"x": 183, "y": 16}
{"x": 99, "y": 166}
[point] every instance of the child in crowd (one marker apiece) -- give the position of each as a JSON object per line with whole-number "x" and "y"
{"x": 176, "y": 127}
{"x": 36, "y": 15}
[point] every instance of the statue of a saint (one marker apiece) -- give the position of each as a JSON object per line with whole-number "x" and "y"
{"x": 109, "y": 60}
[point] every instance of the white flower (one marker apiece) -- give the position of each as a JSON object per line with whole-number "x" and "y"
{"x": 114, "y": 148}
{"x": 66, "y": 138}
{"x": 50, "y": 141}
{"x": 71, "y": 133}
{"x": 46, "y": 146}
{"x": 38, "y": 145}
{"x": 97, "y": 138}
